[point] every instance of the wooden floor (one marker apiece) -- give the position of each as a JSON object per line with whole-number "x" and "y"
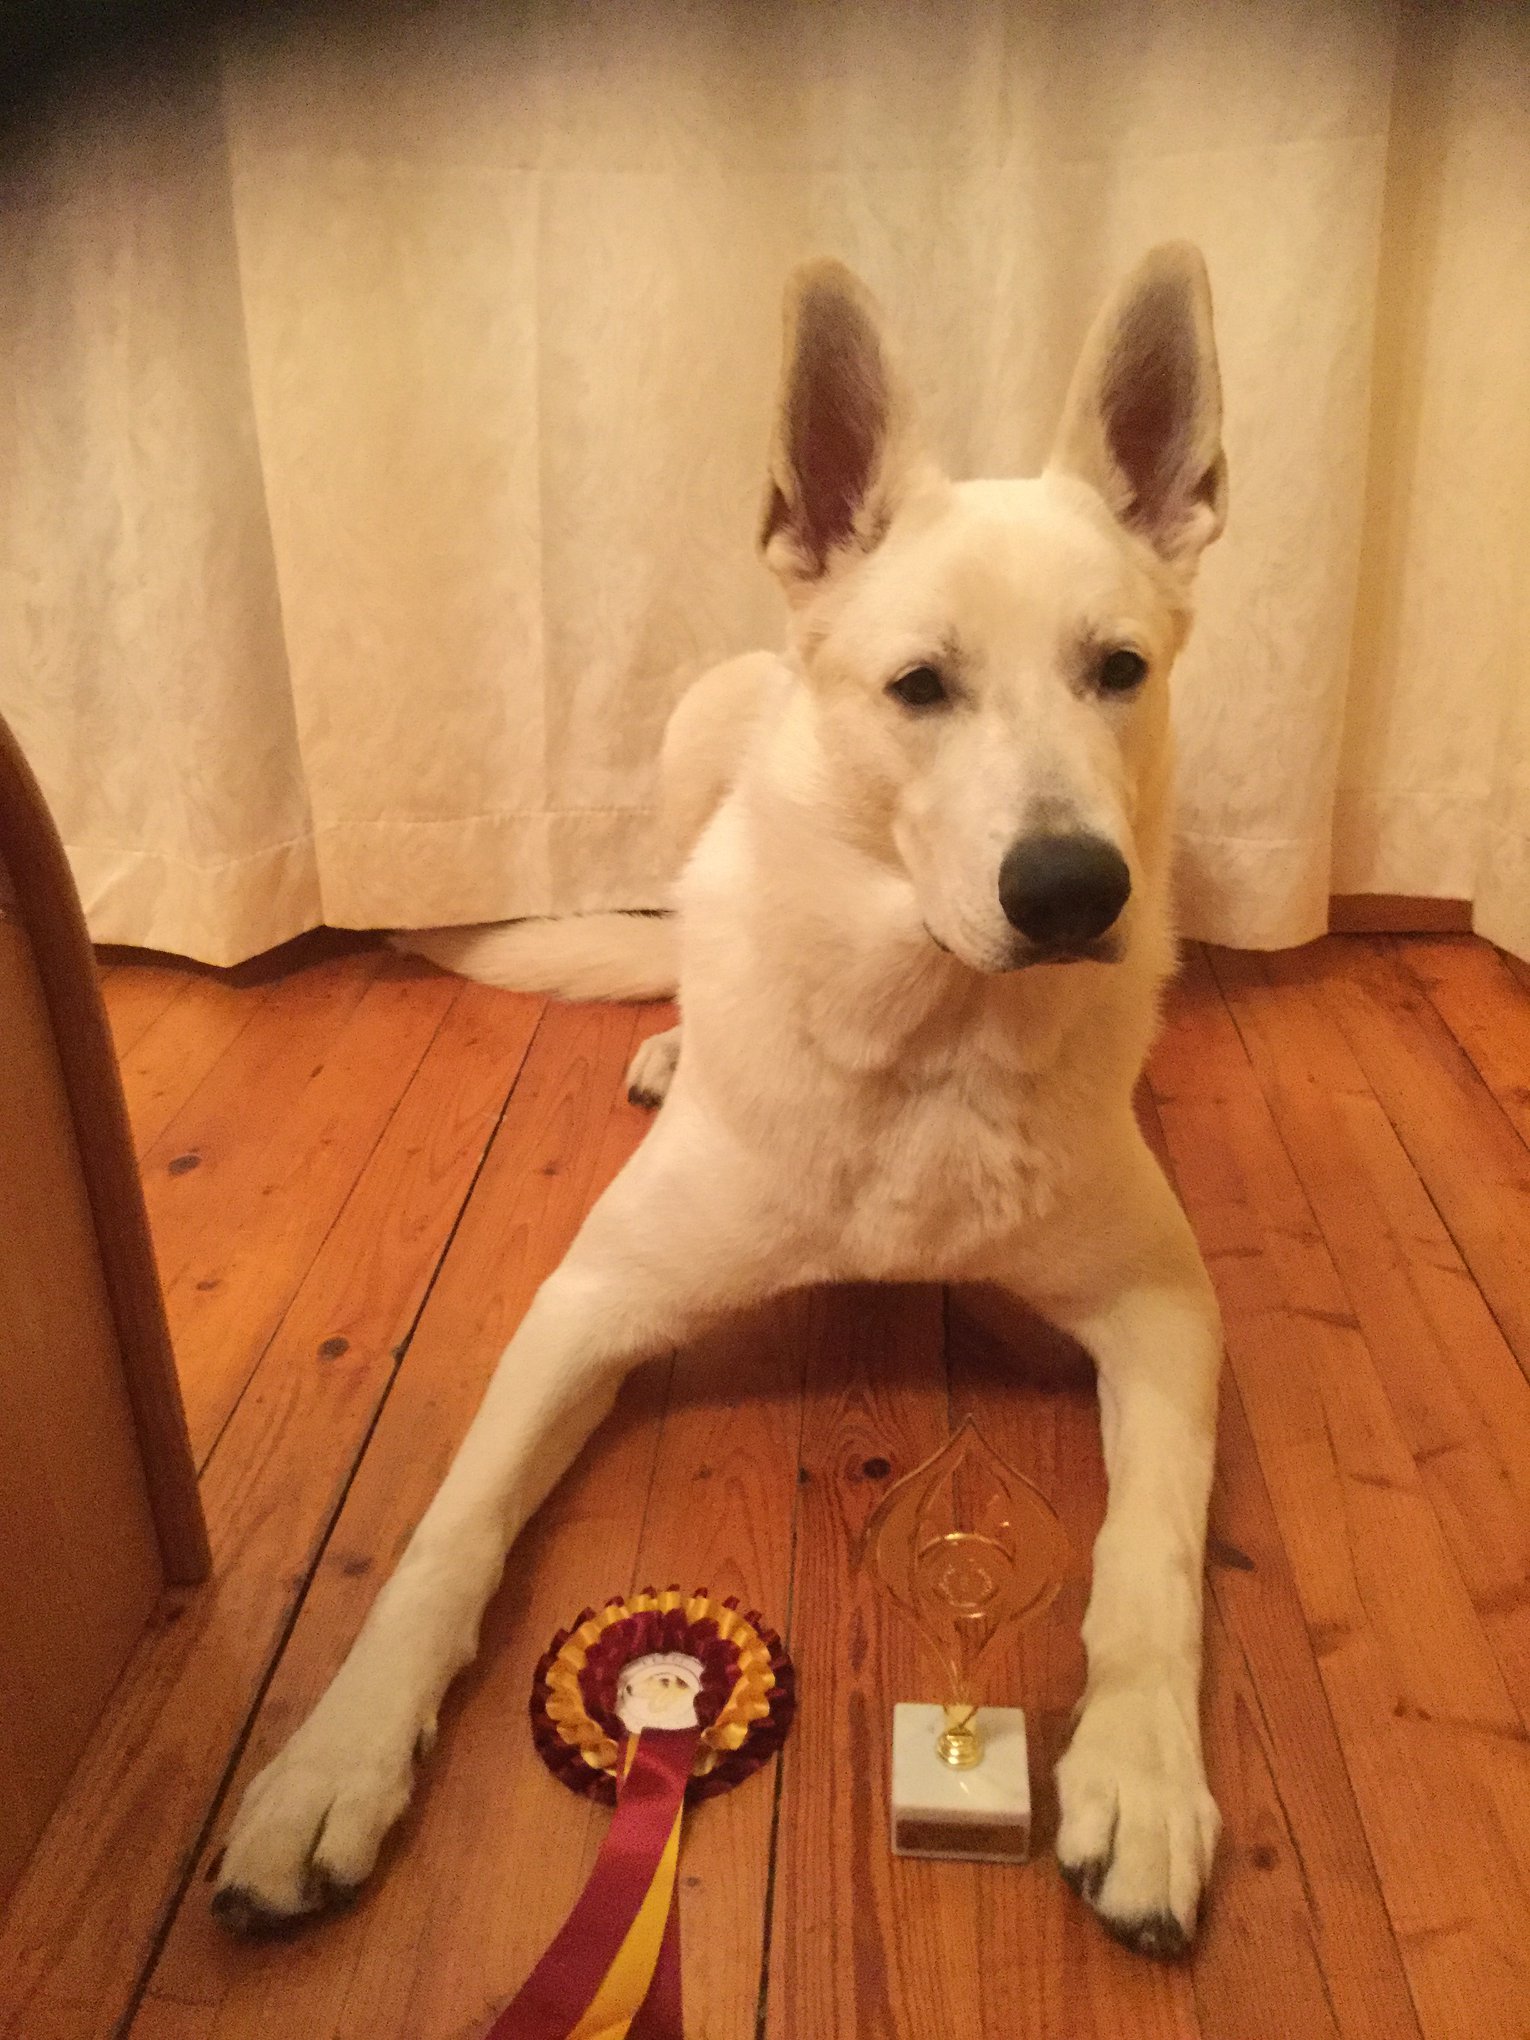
{"x": 358, "y": 1171}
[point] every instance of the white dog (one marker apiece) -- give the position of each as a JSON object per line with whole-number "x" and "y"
{"x": 919, "y": 942}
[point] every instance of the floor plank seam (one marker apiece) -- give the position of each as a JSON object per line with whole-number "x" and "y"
{"x": 1464, "y": 1256}
{"x": 778, "y": 1783}
{"x": 1398, "y": 948}
{"x": 143, "y": 1033}
{"x": 341, "y": 1207}
{"x": 634, "y": 1584}
{"x": 1314, "y": 1904}
{"x": 1336, "y": 1261}
{"x": 144, "y": 1146}
{"x": 1419, "y": 1174}
{"x": 1339, "y": 1742}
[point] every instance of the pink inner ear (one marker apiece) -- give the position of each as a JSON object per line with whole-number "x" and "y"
{"x": 836, "y": 421}
{"x": 1149, "y": 404}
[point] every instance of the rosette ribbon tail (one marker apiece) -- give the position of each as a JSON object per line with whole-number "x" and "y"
{"x": 613, "y": 1972}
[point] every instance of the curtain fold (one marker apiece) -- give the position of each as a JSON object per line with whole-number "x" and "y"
{"x": 1434, "y": 786}
{"x": 391, "y": 387}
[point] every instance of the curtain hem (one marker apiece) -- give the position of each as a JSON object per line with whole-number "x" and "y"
{"x": 391, "y": 873}
{"x": 221, "y": 914}
{"x": 1244, "y": 893}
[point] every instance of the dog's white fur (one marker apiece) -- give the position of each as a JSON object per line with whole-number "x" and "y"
{"x": 880, "y": 1077}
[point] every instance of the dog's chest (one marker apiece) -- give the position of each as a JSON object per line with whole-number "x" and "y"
{"x": 921, "y": 1169}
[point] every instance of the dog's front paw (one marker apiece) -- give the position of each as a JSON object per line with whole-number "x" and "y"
{"x": 310, "y": 1825}
{"x": 1137, "y": 1828}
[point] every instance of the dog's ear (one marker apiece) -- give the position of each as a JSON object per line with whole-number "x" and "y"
{"x": 1142, "y": 423}
{"x": 844, "y": 447}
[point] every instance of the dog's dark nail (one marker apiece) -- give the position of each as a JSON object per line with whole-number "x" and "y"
{"x": 234, "y": 1910}
{"x": 1220, "y": 1552}
{"x": 333, "y": 1896}
{"x": 210, "y": 1874}
{"x": 1086, "y": 1877}
{"x": 1157, "y": 1934}
{"x": 241, "y": 1913}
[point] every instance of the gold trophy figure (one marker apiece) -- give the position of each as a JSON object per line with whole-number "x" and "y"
{"x": 966, "y": 1546}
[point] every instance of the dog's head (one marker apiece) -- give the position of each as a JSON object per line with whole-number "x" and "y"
{"x": 988, "y": 661}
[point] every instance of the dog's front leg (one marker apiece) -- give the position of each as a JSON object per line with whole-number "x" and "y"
{"x": 674, "y": 1241}
{"x": 1138, "y": 1827}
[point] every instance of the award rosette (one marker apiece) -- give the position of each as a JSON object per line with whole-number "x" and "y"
{"x": 653, "y": 1701}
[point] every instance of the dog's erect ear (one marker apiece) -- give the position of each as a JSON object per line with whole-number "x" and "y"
{"x": 844, "y": 447}
{"x": 1143, "y": 418}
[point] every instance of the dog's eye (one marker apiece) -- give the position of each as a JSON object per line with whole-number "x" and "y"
{"x": 921, "y": 688}
{"x": 1121, "y": 670}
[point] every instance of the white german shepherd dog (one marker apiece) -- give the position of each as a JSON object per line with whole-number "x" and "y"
{"x": 920, "y": 934}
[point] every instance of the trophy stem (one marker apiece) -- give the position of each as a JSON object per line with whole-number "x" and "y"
{"x": 959, "y": 1743}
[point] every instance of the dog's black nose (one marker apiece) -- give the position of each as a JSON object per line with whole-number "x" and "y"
{"x": 1063, "y": 891}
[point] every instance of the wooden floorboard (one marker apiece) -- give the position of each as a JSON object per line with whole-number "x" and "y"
{"x": 862, "y": 1943}
{"x": 166, "y": 1062}
{"x": 1457, "y": 1135}
{"x": 357, "y": 1172}
{"x": 1296, "y": 1905}
{"x": 1429, "y": 1733}
{"x": 1453, "y": 1386}
{"x": 138, "y": 996}
{"x": 1473, "y": 988}
{"x": 243, "y": 1199}
{"x": 494, "y": 1847}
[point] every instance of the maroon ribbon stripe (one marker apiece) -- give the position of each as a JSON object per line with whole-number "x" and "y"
{"x": 559, "y": 1990}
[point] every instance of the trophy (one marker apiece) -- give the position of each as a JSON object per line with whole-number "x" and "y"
{"x": 966, "y": 1546}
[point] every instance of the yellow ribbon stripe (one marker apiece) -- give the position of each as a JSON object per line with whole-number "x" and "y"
{"x": 625, "y": 1984}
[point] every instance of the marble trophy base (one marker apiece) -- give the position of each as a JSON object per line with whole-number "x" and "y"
{"x": 977, "y": 1816}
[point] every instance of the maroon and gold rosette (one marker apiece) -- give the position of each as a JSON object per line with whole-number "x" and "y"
{"x": 743, "y": 1702}
{"x": 656, "y": 1700}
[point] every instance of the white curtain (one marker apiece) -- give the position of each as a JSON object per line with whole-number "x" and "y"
{"x": 387, "y": 396}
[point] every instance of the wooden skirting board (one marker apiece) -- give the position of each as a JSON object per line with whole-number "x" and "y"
{"x": 1397, "y": 914}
